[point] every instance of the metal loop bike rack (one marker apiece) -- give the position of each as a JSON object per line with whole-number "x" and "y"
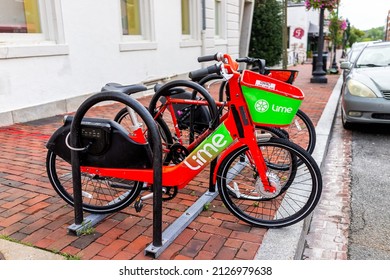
{"x": 161, "y": 240}
{"x": 75, "y": 133}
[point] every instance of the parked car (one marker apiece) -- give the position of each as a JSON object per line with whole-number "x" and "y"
{"x": 366, "y": 90}
{"x": 354, "y": 53}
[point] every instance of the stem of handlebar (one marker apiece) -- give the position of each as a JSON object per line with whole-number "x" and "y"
{"x": 227, "y": 67}
{"x": 231, "y": 62}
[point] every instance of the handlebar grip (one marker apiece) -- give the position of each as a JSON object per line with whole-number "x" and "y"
{"x": 243, "y": 59}
{"x": 197, "y": 74}
{"x": 214, "y": 57}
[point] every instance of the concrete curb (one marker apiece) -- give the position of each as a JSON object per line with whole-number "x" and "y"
{"x": 14, "y": 251}
{"x": 288, "y": 243}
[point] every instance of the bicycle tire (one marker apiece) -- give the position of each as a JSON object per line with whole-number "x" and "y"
{"x": 302, "y": 131}
{"x": 271, "y": 130}
{"x": 294, "y": 201}
{"x": 191, "y": 120}
{"x": 100, "y": 195}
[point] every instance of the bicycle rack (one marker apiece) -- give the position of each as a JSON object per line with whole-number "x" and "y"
{"x": 81, "y": 223}
{"x": 169, "y": 235}
{"x": 161, "y": 240}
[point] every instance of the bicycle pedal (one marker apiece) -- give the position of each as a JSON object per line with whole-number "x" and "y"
{"x": 138, "y": 204}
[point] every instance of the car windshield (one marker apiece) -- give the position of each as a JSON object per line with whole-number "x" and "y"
{"x": 374, "y": 56}
{"x": 354, "y": 53}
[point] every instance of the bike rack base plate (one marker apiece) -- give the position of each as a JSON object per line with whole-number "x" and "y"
{"x": 170, "y": 234}
{"x": 87, "y": 223}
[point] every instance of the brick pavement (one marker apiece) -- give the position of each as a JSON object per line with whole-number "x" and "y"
{"x": 31, "y": 211}
{"x": 327, "y": 238}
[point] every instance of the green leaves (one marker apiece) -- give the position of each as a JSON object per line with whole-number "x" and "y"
{"x": 266, "y": 36}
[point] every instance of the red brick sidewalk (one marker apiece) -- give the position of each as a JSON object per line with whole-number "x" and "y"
{"x": 31, "y": 211}
{"x": 327, "y": 238}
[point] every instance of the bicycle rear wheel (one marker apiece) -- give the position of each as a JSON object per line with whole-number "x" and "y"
{"x": 298, "y": 186}
{"x": 301, "y": 131}
{"x": 187, "y": 109}
{"x": 101, "y": 195}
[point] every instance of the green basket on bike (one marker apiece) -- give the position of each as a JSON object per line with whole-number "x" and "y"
{"x": 270, "y": 101}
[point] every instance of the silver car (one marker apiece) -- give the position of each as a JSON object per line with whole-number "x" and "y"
{"x": 366, "y": 89}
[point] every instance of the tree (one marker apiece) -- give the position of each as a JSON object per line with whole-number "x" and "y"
{"x": 355, "y": 35}
{"x": 374, "y": 34}
{"x": 337, "y": 27}
{"x": 266, "y": 36}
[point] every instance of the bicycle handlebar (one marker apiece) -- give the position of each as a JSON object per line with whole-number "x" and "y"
{"x": 254, "y": 61}
{"x": 248, "y": 60}
{"x": 251, "y": 60}
{"x": 215, "y": 57}
{"x": 200, "y": 73}
{"x": 226, "y": 66}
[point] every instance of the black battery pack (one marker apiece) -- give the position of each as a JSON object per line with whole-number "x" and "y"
{"x": 106, "y": 144}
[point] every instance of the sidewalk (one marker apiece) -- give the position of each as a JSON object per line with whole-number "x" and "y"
{"x": 31, "y": 212}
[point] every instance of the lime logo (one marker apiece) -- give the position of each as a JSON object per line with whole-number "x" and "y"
{"x": 261, "y": 106}
{"x": 209, "y": 149}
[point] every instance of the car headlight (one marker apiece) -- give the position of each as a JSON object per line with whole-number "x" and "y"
{"x": 358, "y": 89}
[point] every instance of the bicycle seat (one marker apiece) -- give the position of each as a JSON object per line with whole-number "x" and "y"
{"x": 170, "y": 92}
{"x": 127, "y": 89}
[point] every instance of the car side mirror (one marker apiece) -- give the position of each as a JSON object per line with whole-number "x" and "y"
{"x": 346, "y": 65}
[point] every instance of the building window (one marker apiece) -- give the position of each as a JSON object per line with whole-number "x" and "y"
{"x": 189, "y": 23}
{"x": 137, "y": 25}
{"x": 131, "y": 24}
{"x": 218, "y": 19}
{"x": 220, "y": 22}
{"x": 185, "y": 17}
{"x": 20, "y": 16}
{"x": 31, "y": 28}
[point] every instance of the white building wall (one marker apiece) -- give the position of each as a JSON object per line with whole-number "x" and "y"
{"x": 92, "y": 40}
{"x": 299, "y": 17}
{"x": 233, "y": 27}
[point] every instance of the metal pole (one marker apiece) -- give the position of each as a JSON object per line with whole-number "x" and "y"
{"x": 157, "y": 184}
{"x": 335, "y": 68}
{"x": 76, "y": 173}
{"x": 319, "y": 75}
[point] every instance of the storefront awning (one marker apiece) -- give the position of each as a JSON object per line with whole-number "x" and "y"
{"x": 313, "y": 29}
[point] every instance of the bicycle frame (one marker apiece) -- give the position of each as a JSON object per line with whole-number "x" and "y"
{"x": 235, "y": 131}
{"x": 178, "y": 101}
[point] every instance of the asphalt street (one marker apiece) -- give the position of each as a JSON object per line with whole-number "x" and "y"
{"x": 370, "y": 193}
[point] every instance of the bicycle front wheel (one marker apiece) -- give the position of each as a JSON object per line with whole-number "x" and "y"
{"x": 101, "y": 195}
{"x": 298, "y": 186}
